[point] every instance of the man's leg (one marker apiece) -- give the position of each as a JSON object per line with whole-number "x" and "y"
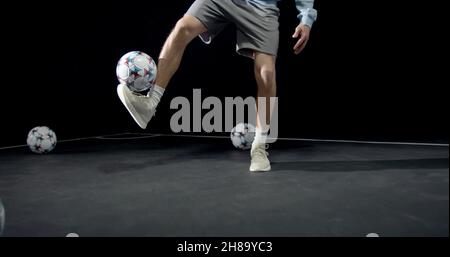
{"x": 185, "y": 31}
{"x": 265, "y": 75}
{"x": 142, "y": 108}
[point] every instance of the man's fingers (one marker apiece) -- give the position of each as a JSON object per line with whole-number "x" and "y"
{"x": 298, "y": 48}
{"x": 301, "y": 41}
{"x": 303, "y": 32}
{"x": 297, "y": 32}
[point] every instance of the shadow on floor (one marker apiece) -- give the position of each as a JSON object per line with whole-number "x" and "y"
{"x": 349, "y": 166}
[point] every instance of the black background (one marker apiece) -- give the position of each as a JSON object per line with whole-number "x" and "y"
{"x": 281, "y": 246}
{"x": 371, "y": 70}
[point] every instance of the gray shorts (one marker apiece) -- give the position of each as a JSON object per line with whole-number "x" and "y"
{"x": 257, "y": 25}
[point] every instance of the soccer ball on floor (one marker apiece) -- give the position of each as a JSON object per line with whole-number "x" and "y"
{"x": 137, "y": 71}
{"x": 242, "y": 136}
{"x": 41, "y": 140}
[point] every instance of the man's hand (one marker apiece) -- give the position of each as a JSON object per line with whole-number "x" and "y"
{"x": 301, "y": 31}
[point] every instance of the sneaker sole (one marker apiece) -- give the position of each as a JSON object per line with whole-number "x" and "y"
{"x": 120, "y": 92}
{"x": 261, "y": 170}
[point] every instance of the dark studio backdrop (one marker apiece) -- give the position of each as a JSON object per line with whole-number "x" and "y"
{"x": 370, "y": 71}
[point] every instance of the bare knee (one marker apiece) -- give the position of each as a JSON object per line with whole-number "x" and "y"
{"x": 266, "y": 75}
{"x": 185, "y": 30}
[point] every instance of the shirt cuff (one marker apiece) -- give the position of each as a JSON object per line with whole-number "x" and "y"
{"x": 308, "y": 16}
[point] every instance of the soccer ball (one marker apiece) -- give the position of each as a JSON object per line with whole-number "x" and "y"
{"x": 41, "y": 140}
{"x": 137, "y": 71}
{"x": 242, "y": 136}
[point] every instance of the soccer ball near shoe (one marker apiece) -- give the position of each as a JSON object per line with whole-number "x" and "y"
{"x": 242, "y": 136}
{"x": 41, "y": 140}
{"x": 137, "y": 70}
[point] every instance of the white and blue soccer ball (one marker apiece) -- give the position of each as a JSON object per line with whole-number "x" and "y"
{"x": 242, "y": 136}
{"x": 137, "y": 70}
{"x": 41, "y": 140}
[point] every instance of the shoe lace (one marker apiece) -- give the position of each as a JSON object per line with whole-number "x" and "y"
{"x": 141, "y": 96}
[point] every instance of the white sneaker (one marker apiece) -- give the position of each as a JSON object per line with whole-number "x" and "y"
{"x": 141, "y": 107}
{"x": 260, "y": 162}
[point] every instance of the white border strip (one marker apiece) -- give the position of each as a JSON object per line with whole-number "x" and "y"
{"x": 126, "y": 138}
{"x": 86, "y": 138}
{"x": 364, "y": 142}
{"x": 69, "y": 140}
{"x": 12, "y": 147}
{"x": 324, "y": 140}
{"x": 148, "y": 135}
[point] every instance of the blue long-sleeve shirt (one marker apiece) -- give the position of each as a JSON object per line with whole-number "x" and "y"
{"x": 308, "y": 14}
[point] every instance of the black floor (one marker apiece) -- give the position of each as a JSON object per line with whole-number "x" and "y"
{"x": 170, "y": 186}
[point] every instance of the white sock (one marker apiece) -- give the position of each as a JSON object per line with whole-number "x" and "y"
{"x": 260, "y": 137}
{"x": 156, "y": 93}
